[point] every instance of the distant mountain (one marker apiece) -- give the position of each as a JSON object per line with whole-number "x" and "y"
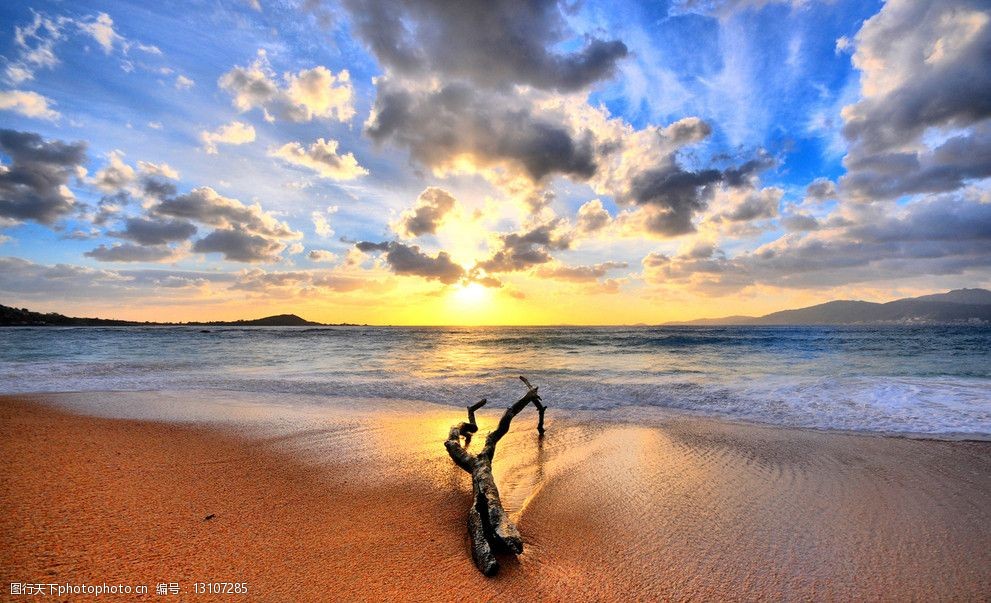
{"x": 957, "y": 306}
{"x": 13, "y": 317}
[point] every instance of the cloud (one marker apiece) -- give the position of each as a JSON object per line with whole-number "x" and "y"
{"x": 592, "y": 217}
{"x": 163, "y": 170}
{"x": 33, "y": 184}
{"x": 115, "y": 175}
{"x": 491, "y": 44}
{"x": 579, "y": 273}
{"x": 443, "y": 126}
{"x": 236, "y": 132}
{"x": 426, "y": 215}
{"x": 147, "y": 231}
{"x": 321, "y": 224}
{"x": 304, "y": 96}
{"x": 127, "y": 252}
{"x": 820, "y": 189}
{"x": 29, "y": 104}
{"x": 243, "y": 233}
{"x": 240, "y": 246}
{"x": 520, "y": 251}
{"x": 923, "y": 69}
{"x": 35, "y": 43}
{"x": 183, "y": 83}
{"x": 101, "y": 29}
{"x": 321, "y": 157}
{"x": 409, "y": 260}
{"x": 297, "y": 282}
{"x": 322, "y": 255}
{"x": 940, "y": 235}
{"x": 203, "y": 204}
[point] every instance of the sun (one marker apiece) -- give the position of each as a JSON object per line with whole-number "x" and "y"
{"x": 470, "y": 293}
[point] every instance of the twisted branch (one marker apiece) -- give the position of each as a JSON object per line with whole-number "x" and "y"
{"x": 489, "y": 525}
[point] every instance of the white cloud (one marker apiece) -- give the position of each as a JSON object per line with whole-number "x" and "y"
{"x": 236, "y": 132}
{"x": 321, "y": 157}
{"x": 302, "y": 96}
{"x": 183, "y": 83}
{"x": 27, "y": 103}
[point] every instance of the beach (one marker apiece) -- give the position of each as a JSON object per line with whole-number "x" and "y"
{"x": 361, "y": 502}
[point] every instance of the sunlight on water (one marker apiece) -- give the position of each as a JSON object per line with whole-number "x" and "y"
{"x": 906, "y": 379}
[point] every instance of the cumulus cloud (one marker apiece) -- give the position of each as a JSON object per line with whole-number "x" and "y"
{"x": 411, "y": 261}
{"x": 148, "y": 231}
{"x": 33, "y": 186}
{"x": 322, "y": 255}
{"x": 592, "y": 217}
{"x": 522, "y": 250}
{"x": 206, "y": 205}
{"x": 439, "y": 127}
{"x": 238, "y": 245}
{"x": 303, "y": 96}
{"x": 923, "y": 68}
{"x": 491, "y": 44}
{"x": 128, "y": 252}
{"x": 938, "y": 235}
{"x": 236, "y": 132}
{"x": 27, "y": 103}
{"x": 115, "y": 175}
{"x": 321, "y": 157}
{"x": 427, "y": 214}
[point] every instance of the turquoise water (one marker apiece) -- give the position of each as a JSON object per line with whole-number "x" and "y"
{"x": 930, "y": 380}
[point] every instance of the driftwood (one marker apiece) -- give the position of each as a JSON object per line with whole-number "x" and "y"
{"x": 488, "y": 524}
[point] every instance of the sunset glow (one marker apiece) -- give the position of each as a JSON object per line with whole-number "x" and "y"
{"x": 589, "y": 165}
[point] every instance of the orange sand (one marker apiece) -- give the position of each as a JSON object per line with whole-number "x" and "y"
{"x": 370, "y": 508}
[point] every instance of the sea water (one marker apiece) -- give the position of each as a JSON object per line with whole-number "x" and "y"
{"x": 895, "y": 379}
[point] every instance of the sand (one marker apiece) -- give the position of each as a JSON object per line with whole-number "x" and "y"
{"x": 365, "y": 505}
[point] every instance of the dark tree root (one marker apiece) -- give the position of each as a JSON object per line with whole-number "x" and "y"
{"x": 488, "y": 524}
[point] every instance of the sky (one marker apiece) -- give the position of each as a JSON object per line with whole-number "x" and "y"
{"x": 498, "y": 162}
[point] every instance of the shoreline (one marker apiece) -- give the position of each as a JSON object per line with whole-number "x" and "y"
{"x": 81, "y": 402}
{"x": 363, "y": 503}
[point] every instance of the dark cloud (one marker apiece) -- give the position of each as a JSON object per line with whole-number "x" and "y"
{"x": 676, "y": 196}
{"x": 128, "y": 252}
{"x": 33, "y": 184}
{"x": 821, "y": 189}
{"x": 205, "y": 205}
{"x": 457, "y": 120}
{"x": 155, "y": 232}
{"x": 158, "y": 189}
{"x": 409, "y": 260}
{"x": 431, "y": 206}
{"x": 924, "y": 68}
{"x": 240, "y": 246}
{"x": 946, "y": 168}
{"x": 520, "y": 251}
{"x": 946, "y": 234}
{"x": 492, "y": 44}
{"x": 800, "y": 223}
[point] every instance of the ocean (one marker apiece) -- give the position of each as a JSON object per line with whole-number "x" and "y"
{"x": 930, "y": 380}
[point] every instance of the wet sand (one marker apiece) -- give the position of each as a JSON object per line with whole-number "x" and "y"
{"x": 363, "y": 504}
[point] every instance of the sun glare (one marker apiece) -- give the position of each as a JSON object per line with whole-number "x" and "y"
{"x": 471, "y": 293}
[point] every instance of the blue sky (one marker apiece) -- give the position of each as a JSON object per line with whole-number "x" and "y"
{"x": 760, "y": 84}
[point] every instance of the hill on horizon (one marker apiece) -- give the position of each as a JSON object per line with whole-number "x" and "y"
{"x": 15, "y": 317}
{"x": 957, "y": 306}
